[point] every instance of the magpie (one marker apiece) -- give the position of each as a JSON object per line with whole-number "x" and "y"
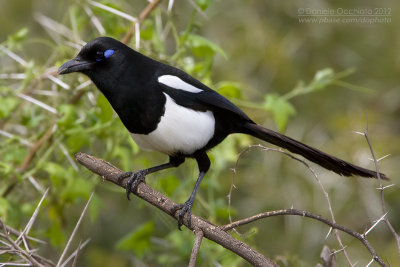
{"x": 167, "y": 110}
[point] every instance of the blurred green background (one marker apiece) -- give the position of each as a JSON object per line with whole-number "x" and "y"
{"x": 316, "y": 82}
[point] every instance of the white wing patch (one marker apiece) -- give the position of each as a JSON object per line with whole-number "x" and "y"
{"x": 180, "y": 130}
{"x": 177, "y": 83}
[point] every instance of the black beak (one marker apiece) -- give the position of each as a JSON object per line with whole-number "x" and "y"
{"x": 75, "y": 65}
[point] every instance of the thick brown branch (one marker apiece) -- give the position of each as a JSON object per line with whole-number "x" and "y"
{"x": 155, "y": 198}
{"x": 304, "y": 213}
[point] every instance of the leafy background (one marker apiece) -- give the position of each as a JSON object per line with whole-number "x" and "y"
{"x": 315, "y": 82}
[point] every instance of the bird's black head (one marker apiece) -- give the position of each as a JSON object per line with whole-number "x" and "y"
{"x": 103, "y": 53}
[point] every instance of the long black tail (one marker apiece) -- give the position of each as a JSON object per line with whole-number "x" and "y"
{"x": 327, "y": 161}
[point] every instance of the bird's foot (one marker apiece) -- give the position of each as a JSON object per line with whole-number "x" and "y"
{"x": 135, "y": 178}
{"x": 185, "y": 208}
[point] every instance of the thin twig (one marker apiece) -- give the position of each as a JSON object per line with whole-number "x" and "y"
{"x": 95, "y": 21}
{"x": 144, "y": 14}
{"x": 326, "y": 195}
{"x": 32, "y": 151}
{"x": 28, "y": 158}
{"x": 37, "y": 102}
{"x": 14, "y": 56}
{"x": 29, "y": 255}
{"x": 113, "y": 10}
{"x": 196, "y": 246}
{"x": 19, "y": 251}
{"x": 375, "y": 224}
{"x": 33, "y": 218}
{"x": 21, "y": 140}
{"x": 382, "y": 194}
{"x": 229, "y": 196}
{"x": 12, "y": 231}
{"x": 74, "y": 254}
{"x": 308, "y": 214}
{"x": 74, "y": 231}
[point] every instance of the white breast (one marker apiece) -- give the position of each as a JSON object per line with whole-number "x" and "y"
{"x": 180, "y": 130}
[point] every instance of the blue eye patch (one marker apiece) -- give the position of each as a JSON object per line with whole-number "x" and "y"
{"x": 108, "y": 53}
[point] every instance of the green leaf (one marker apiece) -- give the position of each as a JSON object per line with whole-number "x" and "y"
{"x": 78, "y": 138}
{"x": 29, "y": 75}
{"x": 75, "y": 189}
{"x": 123, "y": 154}
{"x": 7, "y": 106}
{"x": 14, "y": 40}
{"x": 4, "y": 206}
{"x": 68, "y": 116}
{"x": 146, "y": 30}
{"x": 280, "y": 108}
{"x": 222, "y": 212}
{"x": 201, "y": 46}
{"x": 56, "y": 172}
{"x": 138, "y": 241}
{"x": 105, "y": 110}
{"x": 229, "y": 89}
{"x": 55, "y": 232}
{"x": 322, "y": 79}
{"x": 169, "y": 184}
{"x": 95, "y": 206}
{"x": 6, "y": 168}
{"x": 203, "y": 4}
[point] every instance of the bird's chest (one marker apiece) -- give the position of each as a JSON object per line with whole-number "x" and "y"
{"x": 139, "y": 110}
{"x": 180, "y": 130}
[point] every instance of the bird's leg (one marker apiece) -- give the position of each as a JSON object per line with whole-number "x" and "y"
{"x": 135, "y": 178}
{"x": 186, "y": 208}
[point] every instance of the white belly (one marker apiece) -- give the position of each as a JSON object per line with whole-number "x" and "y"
{"x": 180, "y": 130}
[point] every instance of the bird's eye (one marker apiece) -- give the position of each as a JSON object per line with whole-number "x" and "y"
{"x": 99, "y": 55}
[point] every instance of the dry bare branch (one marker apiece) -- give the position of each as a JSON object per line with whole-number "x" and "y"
{"x": 144, "y": 14}
{"x": 59, "y": 263}
{"x": 28, "y": 257}
{"x": 382, "y": 194}
{"x": 113, "y": 10}
{"x": 212, "y": 232}
{"x": 196, "y": 247}
{"x": 33, "y": 218}
{"x": 307, "y": 214}
{"x": 75, "y": 253}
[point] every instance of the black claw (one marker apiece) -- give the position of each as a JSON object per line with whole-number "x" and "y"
{"x": 135, "y": 178}
{"x": 129, "y": 185}
{"x": 185, "y": 208}
{"x": 123, "y": 176}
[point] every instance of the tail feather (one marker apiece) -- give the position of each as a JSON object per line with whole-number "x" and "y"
{"x": 321, "y": 158}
